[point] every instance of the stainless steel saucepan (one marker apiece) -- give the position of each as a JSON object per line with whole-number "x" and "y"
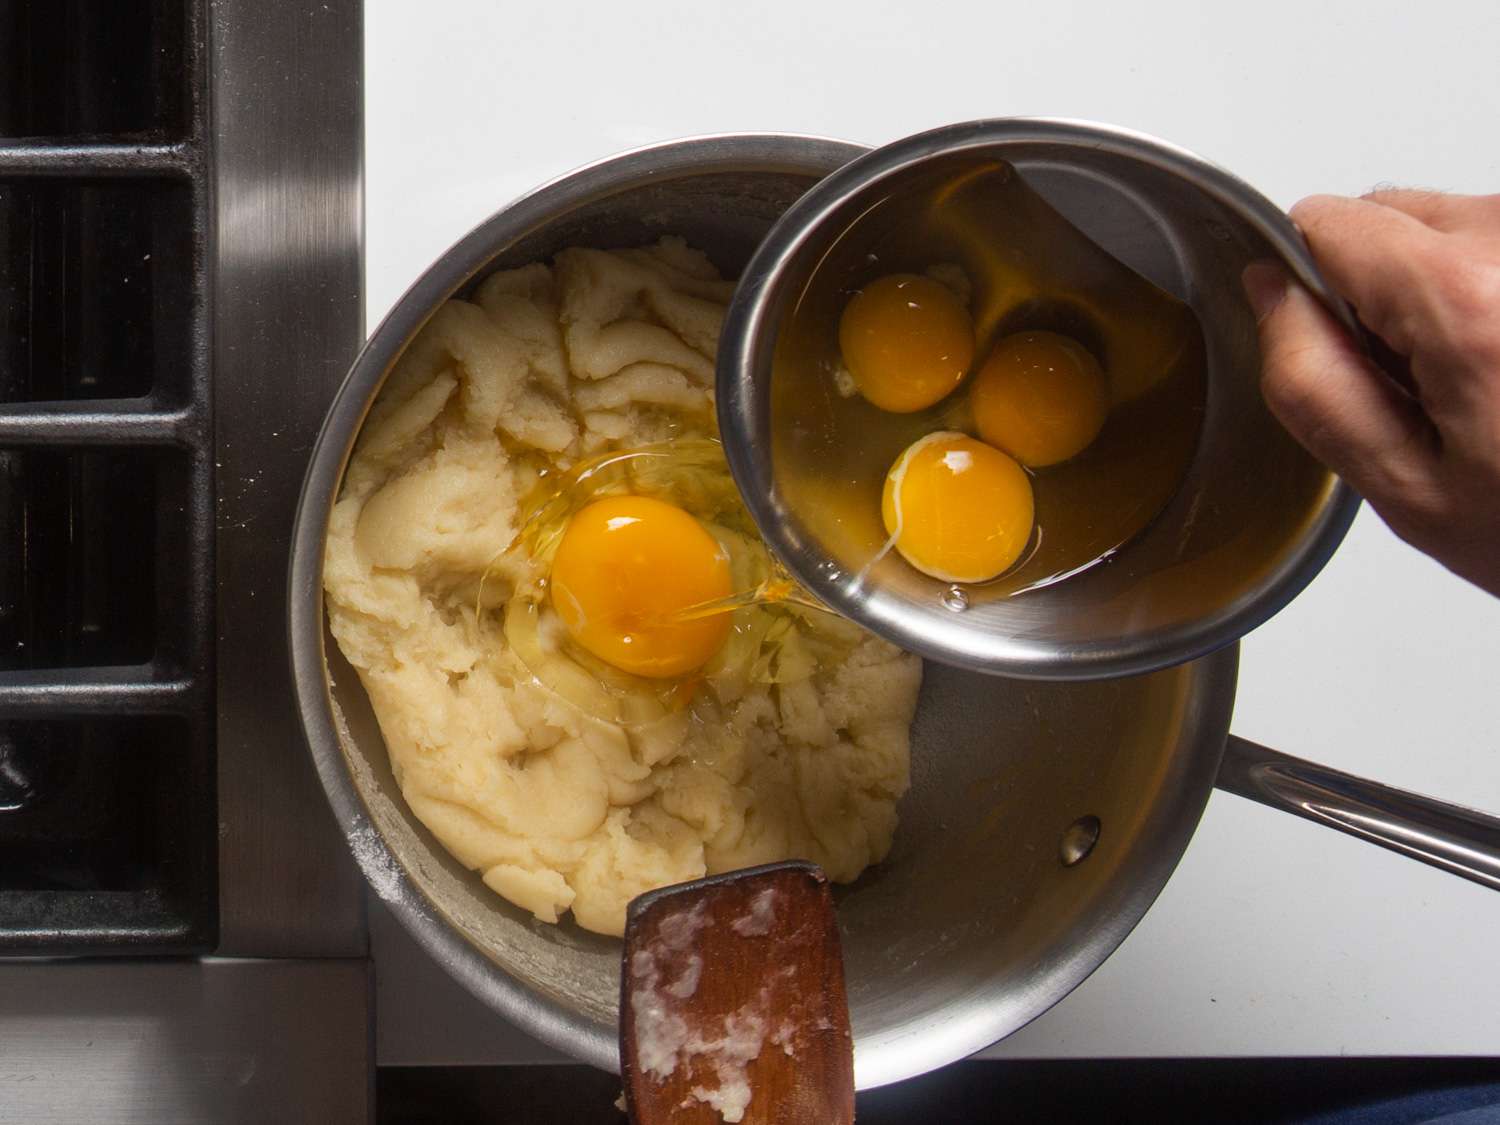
{"x": 1254, "y": 517}
{"x": 1043, "y": 819}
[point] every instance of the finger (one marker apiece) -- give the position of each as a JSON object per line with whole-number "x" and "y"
{"x": 1337, "y": 404}
{"x": 1375, "y": 256}
{"x": 1418, "y": 290}
{"x": 1452, "y": 214}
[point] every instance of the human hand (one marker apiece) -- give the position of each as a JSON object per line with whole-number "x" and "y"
{"x": 1422, "y": 271}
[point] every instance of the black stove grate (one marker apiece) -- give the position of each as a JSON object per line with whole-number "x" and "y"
{"x": 107, "y": 772}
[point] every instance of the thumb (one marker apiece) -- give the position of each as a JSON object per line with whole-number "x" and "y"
{"x": 1337, "y": 403}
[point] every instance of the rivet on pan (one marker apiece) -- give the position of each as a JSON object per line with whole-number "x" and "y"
{"x": 1079, "y": 840}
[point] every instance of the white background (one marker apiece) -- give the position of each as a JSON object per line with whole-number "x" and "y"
{"x": 1275, "y": 937}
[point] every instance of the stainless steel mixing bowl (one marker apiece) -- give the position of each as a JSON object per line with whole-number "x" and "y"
{"x": 1255, "y": 518}
{"x": 1043, "y": 817}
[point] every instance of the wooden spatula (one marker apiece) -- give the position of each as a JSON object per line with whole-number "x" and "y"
{"x": 732, "y": 1003}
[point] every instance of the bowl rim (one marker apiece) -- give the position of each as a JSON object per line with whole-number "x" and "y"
{"x": 746, "y": 349}
{"x": 424, "y": 919}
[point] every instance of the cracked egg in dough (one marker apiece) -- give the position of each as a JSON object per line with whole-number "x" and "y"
{"x": 556, "y": 808}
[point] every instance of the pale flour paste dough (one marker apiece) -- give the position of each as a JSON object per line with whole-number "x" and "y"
{"x": 556, "y": 809}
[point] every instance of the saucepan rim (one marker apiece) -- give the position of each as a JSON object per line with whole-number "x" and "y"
{"x": 425, "y": 919}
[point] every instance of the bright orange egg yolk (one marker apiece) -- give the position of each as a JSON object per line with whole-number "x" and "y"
{"x": 624, "y": 566}
{"x": 959, "y": 510}
{"x": 907, "y": 341}
{"x": 1041, "y": 397}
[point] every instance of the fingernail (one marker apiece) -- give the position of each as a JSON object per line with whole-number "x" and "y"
{"x": 1265, "y": 286}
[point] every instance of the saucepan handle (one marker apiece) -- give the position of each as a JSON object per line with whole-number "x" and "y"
{"x": 1463, "y": 841}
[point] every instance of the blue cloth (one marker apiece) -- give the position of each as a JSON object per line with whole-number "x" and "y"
{"x": 1455, "y": 1105}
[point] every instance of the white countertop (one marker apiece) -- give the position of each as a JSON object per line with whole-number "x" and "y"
{"x": 1274, "y": 937}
